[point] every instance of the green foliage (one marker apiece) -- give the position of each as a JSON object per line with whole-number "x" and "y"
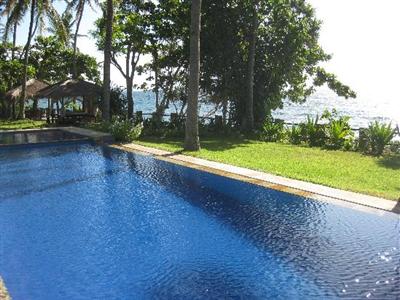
{"x": 288, "y": 56}
{"x": 313, "y": 133}
{"x": 379, "y": 135}
{"x": 338, "y": 131}
{"x": 295, "y": 134}
{"x": 118, "y": 102}
{"x": 273, "y": 130}
{"x": 124, "y": 130}
{"x": 53, "y": 61}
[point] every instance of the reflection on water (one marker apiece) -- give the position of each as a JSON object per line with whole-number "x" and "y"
{"x": 86, "y": 222}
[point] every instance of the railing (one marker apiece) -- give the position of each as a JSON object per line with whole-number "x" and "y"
{"x": 218, "y": 119}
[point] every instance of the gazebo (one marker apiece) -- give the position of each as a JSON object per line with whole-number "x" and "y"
{"x": 33, "y": 86}
{"x": 69, "y": 91}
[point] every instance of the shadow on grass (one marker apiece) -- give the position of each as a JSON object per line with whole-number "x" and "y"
{"x": 207, "y": 143}
{"x": 390, "y": 162}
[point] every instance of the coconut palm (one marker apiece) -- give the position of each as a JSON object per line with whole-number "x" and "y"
{"x": 79, "y": 7}
{"x": 192, "y": 142}
{"x": 107, "y": 59}
{"x": 38, "y": 10}
{"x": 63, "y": 33}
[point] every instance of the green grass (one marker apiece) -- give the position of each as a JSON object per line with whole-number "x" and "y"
{"x": 21, "y": 124}
{"x": 345, "y": 170}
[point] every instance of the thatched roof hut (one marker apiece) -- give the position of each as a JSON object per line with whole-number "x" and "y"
{"x": 71, "y": 88}
{"x": 33, "y": 86}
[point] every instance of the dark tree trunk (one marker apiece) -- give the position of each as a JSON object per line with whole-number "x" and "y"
{"x": 156, "y": 88}
{"x": 192, "y": 142}
{"x": 249, "y": 114}
{"x": 129, "y": 96}
{"x": 107, "y": 61}
{"x": 26, "y": 60}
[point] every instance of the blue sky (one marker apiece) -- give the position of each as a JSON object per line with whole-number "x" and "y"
{"x": 362, "y": 35}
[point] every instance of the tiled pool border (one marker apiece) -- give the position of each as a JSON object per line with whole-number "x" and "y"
{"x": 301, "y": 188}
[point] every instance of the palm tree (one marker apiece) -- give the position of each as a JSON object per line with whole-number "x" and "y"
{"x": 79, "y": 7}
{"x": 107, "y": 59}
{"x": 192, "y": 142}
{"x": 38, "y": 10}
{"x": 64, "y": 33}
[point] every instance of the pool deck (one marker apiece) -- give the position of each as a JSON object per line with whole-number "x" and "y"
{"x": 96, "y": 136}
{"x": 297, "y": 187}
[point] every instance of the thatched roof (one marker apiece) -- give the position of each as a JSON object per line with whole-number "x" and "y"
{"x": 33, "y": 86}
{"x": 71, "y": 88}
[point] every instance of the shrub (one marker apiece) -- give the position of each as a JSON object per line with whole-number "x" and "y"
{"x": 125, "y": 130}
{"x": 379, "y": 135}
{"x": 273, "y": 130}
{"x": 313, "y": 132}
{"x": 295, "y": 134}
{"x": 338, "y": 131}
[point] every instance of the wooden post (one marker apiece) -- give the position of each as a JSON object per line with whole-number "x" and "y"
{"x": 48, "y": 110}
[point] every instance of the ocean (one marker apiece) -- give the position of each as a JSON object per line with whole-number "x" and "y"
{"x": 362, "y": 111}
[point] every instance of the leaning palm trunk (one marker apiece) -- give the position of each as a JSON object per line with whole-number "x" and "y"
{"x": 192, "y": 142}
{"x": 26, "y": 60}
{"x": 249, "y": 116}
{"x": 75, "y": 46}
{"x": 107, "y": 61}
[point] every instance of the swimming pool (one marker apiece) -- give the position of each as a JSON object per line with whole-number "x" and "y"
{"x": 87, "y": 222}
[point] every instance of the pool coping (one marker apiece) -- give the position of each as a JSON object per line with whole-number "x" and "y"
{"x": 86, "y": 134}
{"x": 292, "y": 186}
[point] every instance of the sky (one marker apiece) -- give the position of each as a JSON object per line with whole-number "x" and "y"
{"x": 362, "y": 36}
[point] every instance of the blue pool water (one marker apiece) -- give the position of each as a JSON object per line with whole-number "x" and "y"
{"x": 88, "y": 222}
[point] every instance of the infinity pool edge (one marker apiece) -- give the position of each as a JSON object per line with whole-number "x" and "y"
{"x": 297, "y": 187}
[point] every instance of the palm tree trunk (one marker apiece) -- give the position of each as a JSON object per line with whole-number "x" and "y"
{"x": 26, "y": 60}
{"x": 107, "y": 61}
{"x": 192, "y": 142}
{"x": 249, "y": 116}
{"x": 75, "y": 46}
{"x": 14, "y": 41}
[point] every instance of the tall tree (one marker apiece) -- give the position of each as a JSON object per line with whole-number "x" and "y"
{"x": 192, "y": 142}
{"x": 107, "y": 59}
{"x": 130, "y": 29}
{"x": 248, "y": 124}
{"x": 79, "y": 7}
{"x": 26, "y": 60}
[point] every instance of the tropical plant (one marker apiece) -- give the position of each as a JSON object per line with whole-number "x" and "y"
{"x": 338, "y": 131}
{"x": 295, "y": 134}
{"x": 124, "y": 130}
{"x": 379, "y": 135}
{"x": 313, "y": 132}
{"x": 192, "y": 142}
{"x": 273, "y": 130}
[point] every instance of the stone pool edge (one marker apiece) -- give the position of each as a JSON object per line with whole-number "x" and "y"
{"x": 292, "y": 186}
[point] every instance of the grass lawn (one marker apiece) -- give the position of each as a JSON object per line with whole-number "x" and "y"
{"x": 345, "y": 170}
{"x": 21, "y": 124}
